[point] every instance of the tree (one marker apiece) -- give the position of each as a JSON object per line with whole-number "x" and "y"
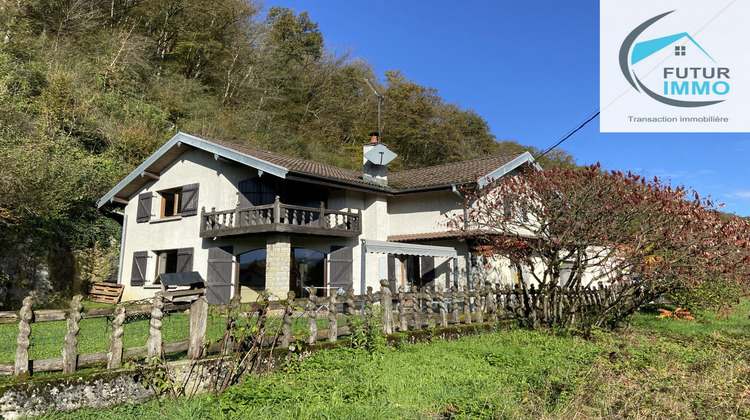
{"x": 576, "y": 228}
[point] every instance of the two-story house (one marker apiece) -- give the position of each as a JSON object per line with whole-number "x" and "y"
{"x": 248, "y": 220}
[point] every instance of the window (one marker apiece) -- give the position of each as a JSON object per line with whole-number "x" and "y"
{"x": 173, "y": 261}
{"x": 257, "y": 192}
{"x": 171, "y": 202}
{"x": 182, "y": 201}
{"x": 417, "y": 271}
{"x": 308, "y": 269}
{"x": 253, "y": 269}
{"x": 166, "y": 262}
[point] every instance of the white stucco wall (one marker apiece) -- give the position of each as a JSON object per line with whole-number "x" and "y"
{"x": 217, "y": 181}
{"x": 422, "y": 212}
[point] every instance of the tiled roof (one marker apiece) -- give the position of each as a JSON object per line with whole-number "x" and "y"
{"x": 432, "y": 176}
{"x": 295, "y": 164}
{"x": 409, "y": 237}
{"x": 449, "y": 173}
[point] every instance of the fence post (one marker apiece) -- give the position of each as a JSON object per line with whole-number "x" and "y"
{"x": 501, "y": 298}
{"x": 532, "y": 302}
{"x": 403, "y": 325}
{"x": 387, "y": 304}
{"x": 369, "y": 299}
{"x": 442, "y": 308}
{"x": 333, "y": 326}
{"x": 478, "y": 305}
{"x": 490, "y": 302}
{"x": 286, "y": 321}
{"x": 114, "y": 355}
{"x": 456, "y": 314}
{"x": 428, "y": 306}
{"x": 351, "y": 310}
{"x": 467, "y": 306}
{"x": 312, "y": 316}
{"x": 518, "y": 304}
{"x": 70, "y": 348}
{"x": 198, "y": 326}
{"x": 417, "y": 310}
{"x": 21, "y": 368}
{"x": 154, "y": 344}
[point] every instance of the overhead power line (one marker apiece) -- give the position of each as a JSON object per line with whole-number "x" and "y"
{"x": 571, "y": 132}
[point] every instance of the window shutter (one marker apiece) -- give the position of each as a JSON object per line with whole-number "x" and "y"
{"x": 340, "y": 273}
{"x": 392, "y": 273}
{"x": 219, "y": 279}
{"x": 138, "y": 275}
{"x": 144, "y": 208}
{"x": 189, "y": 200}
{"x": 184, "y": 260}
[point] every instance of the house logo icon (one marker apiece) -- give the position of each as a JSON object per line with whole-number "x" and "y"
{"x": 673, "y": 69}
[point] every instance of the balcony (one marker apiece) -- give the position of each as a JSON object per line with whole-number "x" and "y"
{"x": 280, "y": 217}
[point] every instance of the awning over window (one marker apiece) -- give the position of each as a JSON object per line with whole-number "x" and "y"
{"x": 382, "y": 247}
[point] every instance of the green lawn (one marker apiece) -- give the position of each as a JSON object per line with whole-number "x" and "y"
{"x": 663, "y": 368}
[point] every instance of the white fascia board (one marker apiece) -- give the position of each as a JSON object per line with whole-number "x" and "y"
{"x": 513, "y": 164}
{"x": 182, "y": 138}
{"x": 227, "y": 153}
{"x": 399, "y": 248}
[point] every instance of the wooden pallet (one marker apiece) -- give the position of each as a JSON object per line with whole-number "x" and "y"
{"x": 105, "y": 292}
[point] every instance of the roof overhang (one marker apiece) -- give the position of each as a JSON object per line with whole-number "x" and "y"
{"x": 170, "y": 152}
{"x": 508, "y": 167}
{"x": 382, "y": 247}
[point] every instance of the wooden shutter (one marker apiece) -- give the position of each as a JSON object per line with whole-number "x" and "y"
{"x": 427, "y": 267}
{"x": 144, "y": 208}
{"x": 138, "y": 274}
{"x": 340, "y": 273}
{"x": 219, "y": 279}
{"x": 392, "y": 273}
{"x": 189, "y": 200}
{"x": 184, "y": 260}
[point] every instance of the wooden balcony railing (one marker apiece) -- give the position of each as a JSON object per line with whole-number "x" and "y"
{"x": 280, "y": 217}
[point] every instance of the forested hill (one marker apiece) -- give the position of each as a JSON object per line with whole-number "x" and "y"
{"x": 89, "y": 88}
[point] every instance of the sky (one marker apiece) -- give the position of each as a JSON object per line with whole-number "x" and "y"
{"x": 531, "y": 70}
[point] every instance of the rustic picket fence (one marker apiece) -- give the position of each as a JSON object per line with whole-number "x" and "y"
{"x": 402, "y": 311}
{"x": 430, "y": 307}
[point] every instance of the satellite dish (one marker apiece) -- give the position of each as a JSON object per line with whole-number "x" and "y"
{"x": 380, "y": 155}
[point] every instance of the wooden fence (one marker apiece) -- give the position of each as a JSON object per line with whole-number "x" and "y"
{"x": 402, "y": 311}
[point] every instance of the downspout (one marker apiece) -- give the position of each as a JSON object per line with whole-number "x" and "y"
{"x": 469, "y": 274}
{"x": 122, "y": 247}
{"x": 363, "y": 270}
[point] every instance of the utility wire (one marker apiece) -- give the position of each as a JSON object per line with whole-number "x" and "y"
{"x": 570, "y": 133}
